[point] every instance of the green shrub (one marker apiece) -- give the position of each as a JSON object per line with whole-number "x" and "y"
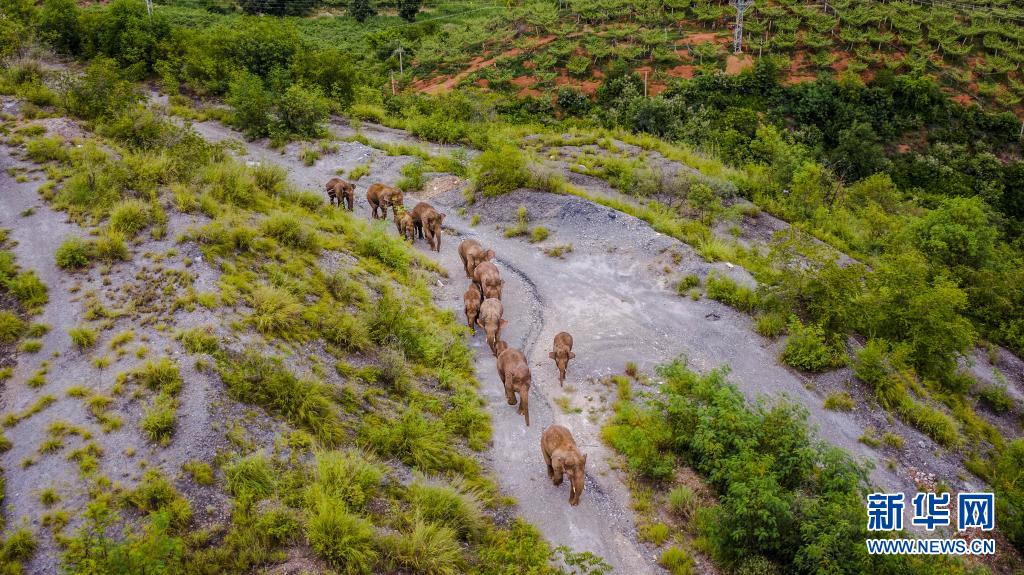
{"x": 161, "y": 375}
{"x": 200, "y": 471}
{"x": 934, "y": 423}
{"x": 111, "y": 247}
{"x": 654, "y": 533}
{"x": 687, "y": 283}
{"x": 263, "y": 381}
{"x": 807, "y": 349}
{"x": 270, "y": 178}
{"x": 29, "y": 290}
{"x": 82, "y": 336}
{"x": 996, "y": 398}
{"x": 275, "y": 312}
{"x": 425, "y": 548}
{"x": 231, "y": 182}
{"x": 351, "y": 477}
{"x": 345, "y": 541}
{"x": 839, "y": 401}
{"x": 251, "y": 103}
{"x": 199, "y": 340}
{"x": 727, "y": 291}
{"x": 11, "y": 327}
{"x": 250, "y": 479}
{"x": 156, "y": 494}
{"x": 500, "y": 170}
{"x": 359, "y": 171}
{"x": 302, "y": 111}
{"x": 411, "y": 437}
{"x": 43, "y": 149}
{"x": 158, "y": 421}
{"x": 538, "y": 234}
{"x": 377, "y": 243}
{"x": 682, "y": 501}
{"x": 74, "y": 253}
{"x": 288, "y": 230}
{"x": 455, "y": 506}
{"x": 677, "y": 561}
{"x": 771, "y": 324}
{"x": 412, "y": 179}
{"x": 129, "y": 216}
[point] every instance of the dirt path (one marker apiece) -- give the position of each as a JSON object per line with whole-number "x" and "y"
{"x": 611, "y": 294}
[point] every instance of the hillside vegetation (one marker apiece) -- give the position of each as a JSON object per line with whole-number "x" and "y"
{"x": 903, "y": 257}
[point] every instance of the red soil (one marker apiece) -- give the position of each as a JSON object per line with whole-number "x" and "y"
{"x": 737, "y": 63}
{"x": 683, "y": 71}
{"x": 442, "y": 84}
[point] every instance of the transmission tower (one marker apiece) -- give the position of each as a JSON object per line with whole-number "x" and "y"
{"x": 737, "y": 38}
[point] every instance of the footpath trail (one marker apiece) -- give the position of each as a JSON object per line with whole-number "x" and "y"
{"x": 609, "y": 292}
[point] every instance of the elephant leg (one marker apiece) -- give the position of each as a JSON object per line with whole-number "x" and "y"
{"x": 510, "y": 395}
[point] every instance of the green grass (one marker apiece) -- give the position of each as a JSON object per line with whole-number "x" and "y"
{"x": 11, "y": 327}
{"x": 839, "y": 401}
{"x": 73, "y": 254}
{"x": 199, "y": 471}
{"x": 345, "y": 541}
{"x": 159, "y": 419}
{"x": 83, "y": 337}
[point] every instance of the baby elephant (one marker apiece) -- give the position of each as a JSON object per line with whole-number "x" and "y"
{"x": 515, "y": 374}
{"x": 564, "y": 458}
{"x": 342, "y": 192}
{"x": 380, "y": 197}
{"x": 472, "y": 299}
{"x": 562, "y": 354}
{"x": 490, "y": 319}
{"x": 472, "y": 254}
{"x": 403, "y": 222}
{"x": 428, "y": 224}
{"x": 488, "y": 279}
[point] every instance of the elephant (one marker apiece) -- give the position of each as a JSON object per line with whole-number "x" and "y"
{"x": 428, "y": 224}
{"x": 472, "y": 253}
{"x": 562, "y": 354}
{"x": 563, "y": 457}
{"x": 490, "y": 319}
{"x": 472, "y": 299}
{"x": 514, "y": 372}
{"x": 488, "y": 279}
{"x": 403, "y": 222}
{"x": 380, "y": 197}
{"x": 342, "y": 192}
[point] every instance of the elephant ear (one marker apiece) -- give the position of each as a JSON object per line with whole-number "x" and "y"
{"x": 489, "y": 254}
{"x": 552, "y": 355}
{"x": 504, "y": 322}
{"x": 440, "y": 218}
{"x": 572, "y": 355}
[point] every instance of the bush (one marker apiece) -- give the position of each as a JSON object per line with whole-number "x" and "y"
{"x": 727, "y": 291}
{"x": 677, "y": 561}
{"x": 275, "y": 312}
{"x": 11, "y": 327}
{"x": 129, "y": 217}
{"x": 840, "y": 401}
{"x": 251, "y": 103}
{"x": 250, "y": 479}
{"x": 682, "y": 501}
{"x": 111, "y": 247}
{"x": 263, "y": 381}
{"x": 302, "y": 111}
{"x": 425, "y": 548}
{"x": 996, "y": 398}
{"x": 29, "y": 290}
{"x": 200, "y": 471}
{"x": 344, "y": 540}
{"x": 771, "y": 324}
{"x": 74, "y": 253}
{"x": 454, "y": 506}
{"x": 161, "y": 375}
{"x": 101, "y": 92}
{"x": 377, "y": 243}
{"x": 231, "y": 182}
{"x": 159, "y": 419}
{"x": 82, "y": 337}
{"x": 538, "y": 234}
{"x": 500, "y": 170}
{"x": 806, "y": 348}
{"x": 351, "y": 477}
{"x": 572, "y": 101}
{"x": 58, "y": 25}
{"x": 199, "y": 340}
{"x": 288, "y": 230}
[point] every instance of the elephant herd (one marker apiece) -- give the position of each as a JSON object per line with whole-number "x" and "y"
{"x": 484, "y": 309}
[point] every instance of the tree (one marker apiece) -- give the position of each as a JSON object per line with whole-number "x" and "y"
{"x": 958, "y": 232}
{"x": 288, "y": 8}
{"x": 58, "y": 25}
{"x": 252, "y": 104}
{"x": 362, "y": 9}
{"x": 408, "y": 9}
{"x": 858, "y": 153}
